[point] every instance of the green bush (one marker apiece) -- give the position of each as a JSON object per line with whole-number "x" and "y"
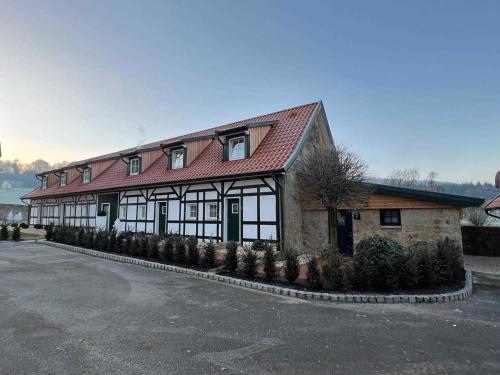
{"x": 180, "y": 250}
{"x": 333, "y": 269}
{"x": 379, "y": 264}
{"x": 4, "y": 233}
{"x": 24, "y": 226}
{"x": 69, "y": 235}
{"x": 129, "y": 244}
{"x": 291, "y": 258}
{"x": 269, "y": 262}
{"x": 249, "y": 263}
{"x": 449, "y": 265}
{"x": 16, "y": 233}
{"x": 193, "y": 257}
{"x": 120, "y": 241}
{"x": 167, "y": 252}
{"x": 49, "y": 231}
{"x": 313, "y": 276}
{"x": 152, "y": 246}
{"x": 420, "y": 266}
{"x": 80, "y": 237}
{"x": 111, "y": 241}
{"x": 231, "y": 258}
{"x": 209, "y": 257}
{"x": 88, "y": 240}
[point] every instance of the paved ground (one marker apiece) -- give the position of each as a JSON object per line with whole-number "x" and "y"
{"x": 482, "y": 264}
{"x": 65, "y": 313}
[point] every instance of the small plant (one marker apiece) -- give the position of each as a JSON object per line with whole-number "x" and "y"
{"x": 333, "y": 269}
{"x": 269, "y": 262}
{"x": 129, "y": 246}
{"x": 291, "y": 265}
{"x": 111, "y": 241}
{"x": 313, "y": 276}
{"x": 38, "y": 226}
{"x": 231, "y": 259}
{"x": 249, "y": 262}
{"x": 80, "y": 241}
{"x": 179, "y": 250}
{"x": 152, "y": 246}
{"x": 24, "y": 226}
{"x": 16, "y": 233}
{"x": 167, "y": 252}
{"x": 89, "y": 239}
{"x": 4, "y": 233}
{"x": 448, "y": 264}
{"x": 119, "y": 244}
{"x": 142, "y": 249}
{"x": 68, "y": 235}
{"x": 13, "y": 225}
{"x": 209, "y": 257}
{"x": 192, "y": 249}
{"x": 49, "y": 230}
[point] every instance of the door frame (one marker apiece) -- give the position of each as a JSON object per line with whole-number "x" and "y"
{"x": 108, "y": 213}
{"x": 226, "y": 206}
{"x": 157, "y": 216}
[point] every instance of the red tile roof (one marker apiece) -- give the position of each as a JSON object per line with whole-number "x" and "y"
{"x": 271, "y": 155}
{"x": 495, "y": 203}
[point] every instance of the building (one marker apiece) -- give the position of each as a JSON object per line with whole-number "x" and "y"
{"x": 493, "y": 207}
{"x": 232, "y": 182}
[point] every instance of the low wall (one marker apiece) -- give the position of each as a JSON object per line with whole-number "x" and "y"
{"x": 484, "y": 241}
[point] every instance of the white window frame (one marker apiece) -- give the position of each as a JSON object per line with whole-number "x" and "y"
{"x": 65, "y": 175}
{"x": 174, "y": 158}
{"x": 189, "y": 215}
{"x": 87, "y": 175}
{"x": 123, "y": 212}
{"x": 135, "y": 163}
{"x": 209, "y": 210}
{"x": 85, "y": 210}
{"x": 142, "y": 216}
{"x": 232, "y": 142}
{"x": 45, "y": 182}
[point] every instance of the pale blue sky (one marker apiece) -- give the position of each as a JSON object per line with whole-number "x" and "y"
{"x": 404, "y": 83}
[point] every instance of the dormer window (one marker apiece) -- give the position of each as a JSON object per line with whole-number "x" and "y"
{"x": 44, "y": 182}
{"x": 86, "y": 175}
{"x": 63, "y": 180}
{"x": 178, "y": 158}
{"x": 237, "y": 148}
{"x": 135, "y": 166}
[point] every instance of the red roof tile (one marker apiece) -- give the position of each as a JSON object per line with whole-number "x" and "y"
{"x": 495, "y": 203}
{"x": 271, "y": 155}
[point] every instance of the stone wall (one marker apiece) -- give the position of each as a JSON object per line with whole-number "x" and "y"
{"x": 419, "y": 224}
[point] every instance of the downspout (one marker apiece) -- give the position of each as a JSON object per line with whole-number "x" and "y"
{"x": 281, "y": 209}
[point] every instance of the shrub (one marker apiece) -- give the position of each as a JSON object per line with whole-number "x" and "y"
{"x": 333, "y": 269}
{"x": 152, "y": 246}
{"x": 291, "y": 265}
{"x": 141, "y": 245}
{"x": 49, "y": 231}
{"x": 180, "y": 250}
{"x": 249, "y": 263}
{"x": 4, "y": 233}
{"x": 38, "y": 226}
{"x": 13, "y": 225}
{"x": 313, "y": 276}
{"x": 269, "y": 262}
{"x": 167, "y": 252}
{"x": 130, "y": 245}
{"x": 16, "y": 233}
{"x": 420, "y": 266}
{"x": 119, "y": 244}
{"x": 379, "y": 264}
{"x": 101, "y": 240}
{"x": 24, "y": 226}
{"x": 448, "y": 264}
{"x": 111, "y": 241}
{"x": 209, "y": 257}
{"x": 88, "y": 241}
{"x": 231, "y": 258}
{"x": 192, "y": 250}
{"x": 258, "y": 245}
{"x": 58, "y": 234}
{"x": 68, "y": 235}
{"x": 80, "y": 241}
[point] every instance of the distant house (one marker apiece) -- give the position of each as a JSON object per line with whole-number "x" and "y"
{"x": 493, "y": 207}
{"x": 232, "y": 182}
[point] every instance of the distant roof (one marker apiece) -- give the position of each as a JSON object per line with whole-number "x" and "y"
{"x": 494, "y": 204}
{"x": 431, "y": 196}
{"x": 288, "y": 127}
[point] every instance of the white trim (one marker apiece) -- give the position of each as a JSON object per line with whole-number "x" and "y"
{"x": 132, "y": 162}
{"x": 231, "y": 141}
{"x": 174, "y": 152}
{"x": 84, "y": 180}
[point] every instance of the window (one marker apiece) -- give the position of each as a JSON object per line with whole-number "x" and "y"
{"x": 86, "y": 175}
{"x": 85, "y": 210}
{"x": 390, "y": 217}
{"x": 135, "y": 166}
{"x": 177, "y": 159}
{"x": 44, "y": 182}
{"x": 63, "y": 179}
{"x": 235, "y": 208}
{"x": 212, "y": 211}
{"x": 192, "y": 211}
{"x": 237, "y": 148}
{"x": 123, "y": 212}
{"x": 164, "y": 210}
{"x": 141, "y": 212}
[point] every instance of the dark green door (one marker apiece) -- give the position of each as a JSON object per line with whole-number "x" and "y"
{"x": 162, "y": 217}
{"x": 109, "y": 203}
{"x": 233, "y": 220}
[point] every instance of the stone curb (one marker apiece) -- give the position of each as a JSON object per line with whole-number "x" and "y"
{"x": 308, "y": 295}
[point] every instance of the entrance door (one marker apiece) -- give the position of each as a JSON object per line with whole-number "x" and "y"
{"x": 111, "y": 200}
{"x": 162, "y": 217}
{"x": 233, "y": 220}
{"x": 344, "y": 231}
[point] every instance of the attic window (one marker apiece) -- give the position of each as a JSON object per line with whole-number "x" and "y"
{"x": 237, "y": 148}
{"x": 63, "y": 179}
{"x": 178, "y": 159}
{"x": 44, "y": 182}
{"x": 135, "y": 166}
{"x": 86, "y": 175}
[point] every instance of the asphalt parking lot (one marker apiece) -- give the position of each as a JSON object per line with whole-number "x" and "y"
{"x": 66, "y": 313}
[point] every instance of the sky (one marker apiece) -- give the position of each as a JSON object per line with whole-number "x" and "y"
{"x": 404, "y": 83}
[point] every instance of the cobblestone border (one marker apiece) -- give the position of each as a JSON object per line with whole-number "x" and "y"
{"x": 334, "y": 297}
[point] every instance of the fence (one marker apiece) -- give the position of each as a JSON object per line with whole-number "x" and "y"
{"x": 483, "y": 241}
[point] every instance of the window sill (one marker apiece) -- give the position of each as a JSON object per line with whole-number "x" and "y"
{"x": 390, "y": 226}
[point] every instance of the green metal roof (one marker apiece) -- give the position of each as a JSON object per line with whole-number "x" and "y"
{"x": 431, "y": 196}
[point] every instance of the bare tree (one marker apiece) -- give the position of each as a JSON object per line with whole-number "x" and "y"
{"x": 432, "y": 183}
{"x": 335, "y": 177}
{"x": 407, "y": 178}
{"x": 476, "y": 216}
